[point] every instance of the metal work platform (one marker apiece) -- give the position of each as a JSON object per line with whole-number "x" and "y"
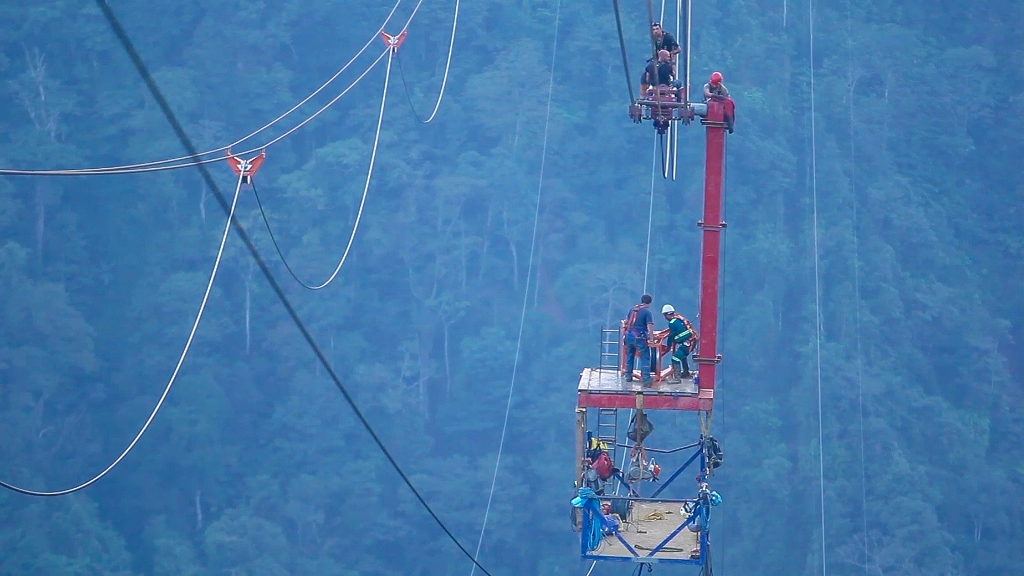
{"x": 606, "y": 388}
{"x": 649, "y": 525}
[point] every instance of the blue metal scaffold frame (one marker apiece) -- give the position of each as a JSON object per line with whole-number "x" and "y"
{"x": 700, "y": 512}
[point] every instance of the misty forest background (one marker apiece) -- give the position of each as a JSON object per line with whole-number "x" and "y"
{"x": 256, "y": 466}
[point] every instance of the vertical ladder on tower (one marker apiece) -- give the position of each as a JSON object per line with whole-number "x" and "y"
{"x": 611, "y": 350}
{"x": 608, "y": 430}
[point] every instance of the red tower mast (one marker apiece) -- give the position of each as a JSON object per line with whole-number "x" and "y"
{"x": 707, "y": 358}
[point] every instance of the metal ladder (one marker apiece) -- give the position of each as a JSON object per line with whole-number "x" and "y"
{"x": 608, "y": 430}
{"x": 611, "y": 349}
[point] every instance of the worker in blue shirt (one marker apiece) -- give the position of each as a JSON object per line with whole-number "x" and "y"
{"x": 639, "y": 326}
{"x": 682, "y": 337}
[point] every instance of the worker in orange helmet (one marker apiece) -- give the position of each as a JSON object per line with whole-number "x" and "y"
{"x": 715, "y": 87}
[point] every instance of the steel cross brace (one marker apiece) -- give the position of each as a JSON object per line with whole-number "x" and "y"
{"x": 699, "y": 452}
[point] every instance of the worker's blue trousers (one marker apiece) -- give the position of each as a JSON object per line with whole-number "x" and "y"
{"x": 636, "y": 344}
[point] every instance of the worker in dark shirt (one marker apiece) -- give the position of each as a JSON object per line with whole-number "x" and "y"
{"x": 660, "y": 75}
{"x": 639, "y": 326}
{"x": 663, "y": 40}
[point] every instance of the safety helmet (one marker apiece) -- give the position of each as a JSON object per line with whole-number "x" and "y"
{"x": 716, "y": 78}
{"x": 667, "y": 308}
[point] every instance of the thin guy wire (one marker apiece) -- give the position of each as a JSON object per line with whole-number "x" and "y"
{"x": 650, "y": 214}
{"x": 444, "y": 80}
{"x": 592, "y": 566}
{"x": 647, "y": 255}
{"x": 722, "y": 332}
{"x": 817, "y": 291}
{"x": 265, "y": 270}
{"x": 170, "y": 382}
{"x": 526, "y": 292}
{"x": 856, "y": 296}
{"x": 244, "y": 138}
{"x": 362, "y": 202}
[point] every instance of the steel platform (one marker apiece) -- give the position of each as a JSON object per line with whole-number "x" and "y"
{"x": 604, "y": 388}
{"x": 650, "y": 523}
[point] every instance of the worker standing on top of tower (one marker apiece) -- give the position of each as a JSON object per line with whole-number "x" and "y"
{"x": 638, "y": 327}
{"x": 715, "y": 87}
{"x": 682, "y": 337}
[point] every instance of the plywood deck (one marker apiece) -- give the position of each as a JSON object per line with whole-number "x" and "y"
{"x": 610, "y": 381}
{"x": 643, "y": 534}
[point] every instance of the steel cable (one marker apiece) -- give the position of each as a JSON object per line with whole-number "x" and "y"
{"x": 197, "y": 161}
{"x": 170, "y": 382}
{"x": 362, "y": 202}
{"x": 119, "y": 169}
{"x": 526, "y": 292}
{"x": 817, "y": 289}
{"x": 274, "y": 285}
{"x": 444, "y": 79}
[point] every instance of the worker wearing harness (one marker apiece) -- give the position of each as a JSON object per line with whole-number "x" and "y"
{"x": 639, "y": 326}
{"x": 683, "y": 337}
{"x": 715, "y": 87}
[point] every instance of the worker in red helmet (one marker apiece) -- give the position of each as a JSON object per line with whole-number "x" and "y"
{"x": 715, "y": 87}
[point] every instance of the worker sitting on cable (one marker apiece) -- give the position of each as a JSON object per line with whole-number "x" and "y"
{"x": 714, "y": 87}
{"x": 660, "y": 75}
{"x": 682, "y": 337}
{"x": 638, "y": 327}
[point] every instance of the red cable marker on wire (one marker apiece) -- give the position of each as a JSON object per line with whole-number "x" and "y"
{"x": 246, "y": 168}
{"x": 393, "y": 42}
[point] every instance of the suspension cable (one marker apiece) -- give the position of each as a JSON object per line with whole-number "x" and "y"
{"x": 389, "y": 52}
{"x": 362, "y": 202}
{"x": 526, "y": 292}
{"x": 686, "y": 98}
{"x": 170, "y": 382}
{"x": 622, "y": 48}
{"x": 325, "y": 106}
{"x": 817, "y": 289}
{"x": 444, "y": 79}
{"x": 329, "y": 81}
{"x": 196, "y": 161}
{"x": 856, "y": 295}
{"x": 274, "y": 285}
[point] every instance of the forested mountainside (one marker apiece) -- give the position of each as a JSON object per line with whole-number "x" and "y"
{"x": 256, "y": 466}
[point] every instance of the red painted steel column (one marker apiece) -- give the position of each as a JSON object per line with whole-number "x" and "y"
{"x": 711, "y": 242}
